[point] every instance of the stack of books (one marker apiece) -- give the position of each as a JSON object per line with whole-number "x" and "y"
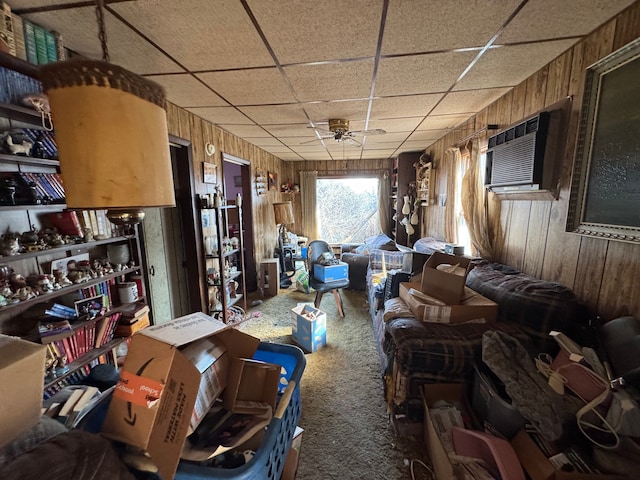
{"x": 27, "y": 40}
{"x": 134, "y": 318}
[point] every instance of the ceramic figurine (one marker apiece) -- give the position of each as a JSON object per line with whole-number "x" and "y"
{"x": 18, "y": 147}
{"x": 10, "y": 245}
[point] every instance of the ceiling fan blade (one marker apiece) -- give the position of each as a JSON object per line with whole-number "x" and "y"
{"x": 316, "y": 140}
{"x": 322, "y": 131}
{"x": 375, "y": 131}
{"x": 351, "y": 141}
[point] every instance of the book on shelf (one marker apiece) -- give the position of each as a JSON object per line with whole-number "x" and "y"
{"x": 67, "y": 406}
{"x": 50, "y": 331}
{"x": 18, "y": 36}
{"x": 41, "y": 44}
{"x": 88, "y": 394}
{"x": 7, "y": 37}
{"x": 52, "y": 51}
{"x": 30, "y": 41}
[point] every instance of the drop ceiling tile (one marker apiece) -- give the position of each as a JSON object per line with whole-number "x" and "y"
{"x": 276, "y": 150}
{"x": 413, "y": 27}
{"x": 259, "y": 86}
{"x": 439, "y": 122}
{"x": 265, "y": 141}
{"x": 331, "y": 81}
{"x": 186, "y": 91}
{"x": 292, "y": 141}
{"x": 301, "y": 31}
{"x": 289, "y": 130}
{"x": 424, "y": 135}
{"x": 226, "y": 115}
{"x": 353, "y": 111}
{"x": 201, "y": 34}
{"x": 387, "y": 137}
{"x": 468, "y": 102}
{"x": 413, "y": 74}
{"x": 509, "y": 65}
{"x": 391, "y": 125}
{"x": 406, "y": 106}
{"x": 368, "y": 145}
{"x": 275, "y": 114}
{"x": 545, "y": 19}
{"x": 414, "y": 145}
{"x": 308, "y": 148}
{"x": 290, "y": 156}
{"x": 378, "y": 153}
{"x": 126, "y": 48}
{"x": 244, "y": 131}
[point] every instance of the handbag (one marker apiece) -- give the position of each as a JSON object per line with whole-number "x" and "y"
{"x": 611, "y": 412}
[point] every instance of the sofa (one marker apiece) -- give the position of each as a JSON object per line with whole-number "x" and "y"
{"x": 413, "y": 352}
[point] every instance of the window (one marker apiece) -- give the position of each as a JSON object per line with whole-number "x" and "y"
{"x": 347, "y": 209}
{"x": 461, "y": 168}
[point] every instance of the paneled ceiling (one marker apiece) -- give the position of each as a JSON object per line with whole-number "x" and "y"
{"x": 269, "y": 71}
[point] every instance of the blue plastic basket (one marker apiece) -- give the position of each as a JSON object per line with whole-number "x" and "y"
{"x": 268, "y": 461}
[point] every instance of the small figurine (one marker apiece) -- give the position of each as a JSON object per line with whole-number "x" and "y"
{"x": 10, "y": 245}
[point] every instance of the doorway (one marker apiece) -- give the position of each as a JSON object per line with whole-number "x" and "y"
{"x": 172, "y": 277}
{"x": 236, "y": 174}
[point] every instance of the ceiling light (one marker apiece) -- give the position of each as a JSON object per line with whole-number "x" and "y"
{"x": 111, "y": 131}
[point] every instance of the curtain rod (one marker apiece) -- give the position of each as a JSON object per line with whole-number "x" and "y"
{"x": 477, "y": 133}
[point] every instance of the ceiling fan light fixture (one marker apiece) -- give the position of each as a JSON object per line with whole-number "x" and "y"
{"x": 338, "y": 125}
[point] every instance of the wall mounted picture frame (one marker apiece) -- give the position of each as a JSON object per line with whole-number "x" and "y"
{"x": 273, "y": 181}
{"x": 209, "y": 172}
{"x": 605, "y": 189}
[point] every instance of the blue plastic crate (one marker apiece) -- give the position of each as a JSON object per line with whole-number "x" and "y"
{"x": 268, "y": 461}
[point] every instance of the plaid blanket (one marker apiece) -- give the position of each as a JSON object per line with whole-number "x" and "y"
{"x": 413, "y": 352}
{"x": 537, "y": 306}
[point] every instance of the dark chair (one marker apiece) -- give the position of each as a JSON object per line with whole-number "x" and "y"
{"x": 316, "y": 249}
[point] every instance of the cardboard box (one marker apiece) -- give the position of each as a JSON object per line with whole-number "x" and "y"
{"x": 309, "y": 334}
{"x": 473, "y": 307}
{"x": 538, "y": 467}
{"x": 452, "y": 393}
{"x": 331, "y": 273}
{"x": 159, "y": 384}
{"x": 448, "y": 287}
{"x": 291, "y": 462}
{"x": 22, "y": 379}
{"x": 248, "y": 382}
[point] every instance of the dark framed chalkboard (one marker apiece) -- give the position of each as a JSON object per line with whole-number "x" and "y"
{"x": 605, "y": 189}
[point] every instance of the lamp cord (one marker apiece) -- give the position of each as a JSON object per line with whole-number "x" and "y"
{"x": 102, "y": 35}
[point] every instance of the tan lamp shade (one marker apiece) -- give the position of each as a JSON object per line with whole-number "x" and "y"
{"x": 111, "y": 130}
{"x": 283, "y": 212}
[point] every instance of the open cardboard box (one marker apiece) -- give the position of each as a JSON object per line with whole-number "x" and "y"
{"x": 160, "y": 382}
{"x": 453, "y": 393}
{"x": 473, "y": 307}
{"x": 538, "y": 466}
{"x": 448, "y": 287}
{"x": 21, "y": 373}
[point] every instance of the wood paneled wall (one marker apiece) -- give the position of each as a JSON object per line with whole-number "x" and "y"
{"x": 187, "y": 126}
{"x": 603, "y": 273}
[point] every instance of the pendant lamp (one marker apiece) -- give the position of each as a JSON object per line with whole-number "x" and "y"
{"x": 111, "y": 130}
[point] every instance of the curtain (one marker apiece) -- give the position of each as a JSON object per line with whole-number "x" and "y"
{"x": 452, "y": 159}
{"x": 308, "y": 197}
{"x": 384, "y": 204}
{"x": 484, "y": 229}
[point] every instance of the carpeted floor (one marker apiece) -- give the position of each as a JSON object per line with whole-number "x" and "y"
{"x": 347, "y": 433}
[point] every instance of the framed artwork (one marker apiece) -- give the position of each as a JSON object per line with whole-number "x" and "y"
{"x": 273, "y": 181}
{"x": 237, "y": 181}
{"x": 605, "y": 189}
{"x": 209, "y": 172}
{"x": 92, "y": 307}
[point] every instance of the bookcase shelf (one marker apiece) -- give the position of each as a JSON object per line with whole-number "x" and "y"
{"x": 65, "y": 290}
{"x": 88, "y": 357}
{"x": 45, "y": 208}
{"x": 21, "y": 160}
{"x": 70, "y": 247}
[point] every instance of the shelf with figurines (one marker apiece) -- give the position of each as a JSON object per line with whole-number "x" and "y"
{"x": 16, "y": 290}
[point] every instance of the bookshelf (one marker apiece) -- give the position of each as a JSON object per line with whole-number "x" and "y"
{"x": 224, "y": 258}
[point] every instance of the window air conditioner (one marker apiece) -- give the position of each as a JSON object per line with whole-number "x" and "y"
{"x": 517, "y": 159}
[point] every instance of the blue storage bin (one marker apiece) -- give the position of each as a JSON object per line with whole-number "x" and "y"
{"x": 268, "y": 461}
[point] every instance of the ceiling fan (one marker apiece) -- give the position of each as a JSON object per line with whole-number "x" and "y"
{"x": 339, "y": 131}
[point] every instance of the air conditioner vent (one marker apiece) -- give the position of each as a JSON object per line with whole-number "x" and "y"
{"x": 515, "y": 156}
